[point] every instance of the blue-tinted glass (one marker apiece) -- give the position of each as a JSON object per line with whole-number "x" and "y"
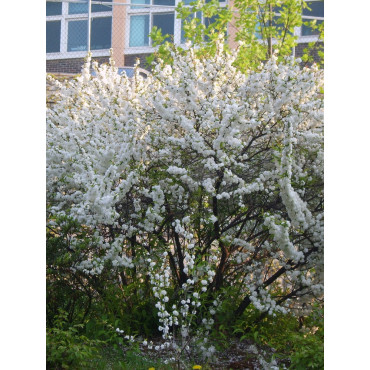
{"x": 101, "y": 33}
{"x": 80, "y": 8}
{"x": 101, "y": 8}
{"x": 53, "y": 8}
{"x": 258, "y": 31}
{"x": 164, "y": 2}
{"x": 146, "y": 2}
{"x": 53, "y": 37}
{"x": 317, "y": 9}
{"x": 209, "y": 21}
{"x": 277, "y": 9}
{"x": 77, "y": 8}
{"x": 77, "y": 36}
{"x": 166, "y": 22}
{"x": 139, "y": 30}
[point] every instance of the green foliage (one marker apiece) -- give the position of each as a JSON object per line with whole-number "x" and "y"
{"x": 301, "y": 340}
{"x": 104, "y": 302}
{"x": 66, "y": 347}
{"x": 308, "y": 352}
{"x": 115, "y": 358}
{"x": 263, "y": 28}
{"x": 202, "y": 24}
{"x": 316, "y": 47}
{"x": 164, "y": 46}
{"x": 65, "y": 243}
{"x": 263, "y": 33}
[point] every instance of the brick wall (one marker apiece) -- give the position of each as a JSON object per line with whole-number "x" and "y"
{"x": 130, "y": 60}
{"x": 299, "y": 50}
{"x": 75, "y": 65}
{"x": 69, "y": 65}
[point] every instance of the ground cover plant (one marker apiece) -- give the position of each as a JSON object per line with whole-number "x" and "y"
{"x": 188, "y": 205}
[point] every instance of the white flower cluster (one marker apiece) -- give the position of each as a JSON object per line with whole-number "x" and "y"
{"x": 211, "y": 165}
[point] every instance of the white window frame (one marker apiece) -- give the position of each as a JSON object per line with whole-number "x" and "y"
{"x": 64, "y": 18}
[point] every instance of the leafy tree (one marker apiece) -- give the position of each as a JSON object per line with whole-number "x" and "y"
{"x": 264, "y": 28}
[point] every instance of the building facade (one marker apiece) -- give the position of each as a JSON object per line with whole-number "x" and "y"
{"x": 125, "y": 26}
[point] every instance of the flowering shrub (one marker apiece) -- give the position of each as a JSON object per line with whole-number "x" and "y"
{"x": 199, "y": 177}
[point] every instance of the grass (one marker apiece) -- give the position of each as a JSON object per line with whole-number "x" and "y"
{"x": 115, "y": 359}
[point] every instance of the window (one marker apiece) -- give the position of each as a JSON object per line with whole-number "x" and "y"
{"x": 79, "y": 8}
{"x": 77, "y": 36}
{"x": 139, "y": 30}
{"x": 166, "y": 23}
{"x": 141, "y": 24}
{"x": 101, "y": 33}
{"x": 144, "y": 18}
{"x": 53, "y": 37}
{"x": 145, "y": 14}
{"x": 66, "y": 29}
{"x": 53, "y": 8}
{"x": 316, "y": 10}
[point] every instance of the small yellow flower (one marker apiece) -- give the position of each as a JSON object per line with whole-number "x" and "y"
{"x": 151, "y": 368}
{"x": 197, "y": 367}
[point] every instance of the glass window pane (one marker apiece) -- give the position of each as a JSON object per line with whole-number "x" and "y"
{"x": 53, "y": 8}
{"x": 164, "y": 2}
{"x": 77, "y": 8}
{"x": 80, "y": 8}
{"x": 146, "y": 2}
{"x": 101, "y": 8}
{"x": 101, "y": 33}
{"x": 166, "y": 23}
{"x": 53, "y": 37}
{"x": 139, "y": 30}
{"x": 317, "y": 9}
{"x": 209, "y": 21}
{"x": 77, "y": 36}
